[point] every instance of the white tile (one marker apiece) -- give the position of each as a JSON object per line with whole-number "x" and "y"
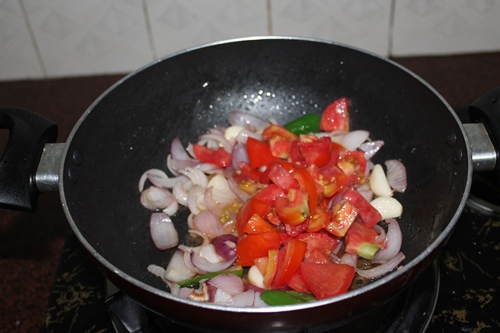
{"x": 359, "y": 23}
{"x": 427, "y": 27}
{"x": 180, "y": 24}
{"x": 17, "y": 54}
{"x": 88, "y": 37}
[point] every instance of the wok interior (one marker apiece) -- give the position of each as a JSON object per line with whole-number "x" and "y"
{"x": 130, "y": 128}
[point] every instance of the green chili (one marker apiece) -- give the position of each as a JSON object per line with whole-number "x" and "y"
{"x": 308, "y": 123}
{"x": 278, "y": 297}
{"x": 236, "y": 270}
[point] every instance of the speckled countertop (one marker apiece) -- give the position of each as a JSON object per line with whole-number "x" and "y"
{"x": 35, "y": 294}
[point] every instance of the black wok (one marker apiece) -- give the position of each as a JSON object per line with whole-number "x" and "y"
{"x": 129, "y": 129}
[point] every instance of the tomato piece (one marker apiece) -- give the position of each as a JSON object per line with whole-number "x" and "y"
{"x": 336, "y": 116}
{"x": 295, "y": 251}
{"x": 247, "y": 210}
{"x": 293, "y": 209}
{"x": 361, "y": 240}
{"x": 254, "y": 246}
{"x": 369, "y": 215}
{"x": 294, "y": 230}
{"x": 307, "y": 183}
{"x": 297, "y": 283}
{"x": 327, "y": 280}
{"x": 271, "y": 268}
{"x": 257, "y": 225}
{"x": 219, "y": 156}
{"x": 318, "y": 220}
{"x": 281, "y": 177}
{"x": 343, "y": 217}
{"x": 259, "y": 153}
{"x": 353, "y": 164}
{"x": 246, "y": 172}
{"x": 315, "y": 151}
{"x": 269, "y": 194}
{"x": 275, "y": 130}
{"x": 319, "y": 246}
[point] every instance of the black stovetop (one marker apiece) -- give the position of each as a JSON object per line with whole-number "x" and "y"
{"x": 464, "y": 279}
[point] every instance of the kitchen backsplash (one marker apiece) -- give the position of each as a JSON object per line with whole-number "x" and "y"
{"x": 42, "y": 39}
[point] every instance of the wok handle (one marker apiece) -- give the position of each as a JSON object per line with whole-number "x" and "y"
{"x": 28, "y": 134}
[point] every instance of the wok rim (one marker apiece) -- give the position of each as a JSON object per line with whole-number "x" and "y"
{"x": 439, "y": 241}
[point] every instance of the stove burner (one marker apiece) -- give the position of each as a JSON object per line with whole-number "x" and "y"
{"x": 485, "y": 194}
{"x": 411, "y": 311}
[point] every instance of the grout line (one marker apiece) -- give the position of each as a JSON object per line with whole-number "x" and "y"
{"x": 33, "y": 39}
{"x": 269, "y": 19}
{"x": 391, "y": 28}
{"x": 149, "y": 30}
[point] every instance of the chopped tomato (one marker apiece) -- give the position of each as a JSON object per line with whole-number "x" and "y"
{"x": 361, "y": 240}
{"x": 269, "y": 194}
{"x": 326, "y": 280}
{"x": 219, "y": 156}
{"x": 369, "y": 215}
{"x": 259, "y": 153}
{"x": 315, "y": 151}
{"x": 257, "y": 225}
{"x": 293, "y": 209}
{"x": 336, "y": 116}
{"x": 281, "y": 177}
{"x": 247, "y": 210}
{"x": 294, "y": 230}
{"x": 246, "y": 172}
{"x": 280, "y": 140}
{"x": 297, "y": 283}
{"x": 295, "y": 251}
{"x": 318, "y": 220}
{"x": 251, "y": 247}
{"x": 319, "y": 246}
{"x": 306, "y": 182}
{"x": 271, "y": 268}
{"x": 274, "y": 130}
{"x": 343, "y": 217}
{"x": 353, "y": 164}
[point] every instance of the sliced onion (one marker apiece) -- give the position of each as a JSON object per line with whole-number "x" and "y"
{"x": 223, "y": 298}
{"x": 239, "y": 155}
{"x": 382, "y": 269}
{"x": 381, "y": 233}
{"x": 154, "y": 198}
{"x": 176, "y": 270}
{"x": 208, "y": 253}
{"x": 163, "y": 231}
{"x": 258, "y": 302}
{"x": 245, "y": 299}
{"x": 233, "y": 185}
{"x": 392, "y": 243}
{"x": 220, "y": 140}
{"x": 371, "y": 148}
{"x": 354, "y": 139}
{"x": 196, "y": 176}
{"x": 230, "y": 283}
{"x": 247, "y": 120}
{"x": 156, "y": 270}
{"x": 225, "y": 246}
{"x": 203, "y": 264}
{"x": 396, "y": 175}
{"x": 208, "y": 223}
{"x": 196, "y": 199}
{"x": 349, "y": 259}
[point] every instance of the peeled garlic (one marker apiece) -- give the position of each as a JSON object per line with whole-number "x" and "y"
{"x": 255, "y": 277}
{"x": 379, "y": 183}
{"x": 232, "y": 132}
{"x": 388, "y": 207}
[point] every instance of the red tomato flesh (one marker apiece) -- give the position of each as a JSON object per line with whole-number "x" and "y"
{"x": 326, "y": 280}
{"x": 336, "y": 116}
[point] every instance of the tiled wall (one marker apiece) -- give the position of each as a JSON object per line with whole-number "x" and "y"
{"x": 57, "y": 38}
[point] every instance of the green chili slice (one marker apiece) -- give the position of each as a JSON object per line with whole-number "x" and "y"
{"x": 236, "y": 270}
{"x": 308, "y": 123}
{"x": 278, "y": 297}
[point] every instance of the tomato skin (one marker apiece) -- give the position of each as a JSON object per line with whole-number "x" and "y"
{"x": 369, "y": 215}
{"x": 254, "y": 246}
{"x": 336, "y": 116}
{"x": 294, "y": 254}
{"x": 326, "y": 280}
{"x": 318, "y": 220}
{"x": 343, "y": 217}
{"x": 275, "y": 130}
{"x": 269, "y": 194}
{"x": 259, "y": 153}
{"x": 353, "y": 164}
{"x": 271, "y": 268}
{"x": 218, "y": 156}
{"x": 247, "y": 210}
